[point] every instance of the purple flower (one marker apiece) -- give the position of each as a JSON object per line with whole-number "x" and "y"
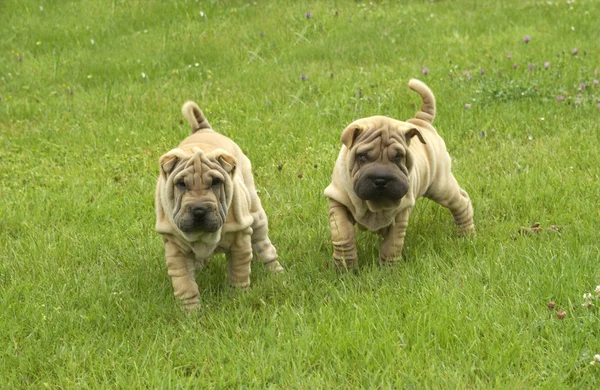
{"x": 425, "y": 70}
{"x": 481, "y": 71}
{"x": 560, "y": 98}
{"x": 575, "y": 51}
{"x": 582, "y": 85}
{"x": 509, "y": 56}
{"x": 526, "y": 38}
{"x": 595, "y": 81}
{"x": 515, "y": 66}
{"x": 303, "y": 77}
{"x": 546, "y": 64}
{"x": 467, "y": 106}
{"x": 530, "y": 66}
{"x": 308, "y": 15}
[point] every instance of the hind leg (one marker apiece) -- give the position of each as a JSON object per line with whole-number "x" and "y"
{"x": 450, "y": 195}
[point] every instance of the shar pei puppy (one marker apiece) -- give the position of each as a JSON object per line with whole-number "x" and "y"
{"x": 383, "y": 166}
{"x": 206, "y": 203}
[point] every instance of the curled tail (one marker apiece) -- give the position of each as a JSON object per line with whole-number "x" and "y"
{"x": 195, "y": 117}
{"x": 427, "y": 112}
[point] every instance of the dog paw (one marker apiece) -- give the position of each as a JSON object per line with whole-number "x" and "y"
{"x": 387, "y": 262}
{"x": 274, "y": 267}
{"x": 190, "y": 305}
{"x": 466, "y": 231}
{"x": 345, "y": 264}
{"x": 240, "y": 285}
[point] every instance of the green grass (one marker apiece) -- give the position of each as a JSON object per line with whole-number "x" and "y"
{"x": 85, "y": 300}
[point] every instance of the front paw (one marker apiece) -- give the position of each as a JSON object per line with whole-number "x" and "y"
{"x": 345, "y": 264}
{"x": 242, "y": 284}
{"x": 274, "y": 267}
{"x": 190, "y": 305}
{"x": 389, "y": 260}
{"x": 468, "y": 230}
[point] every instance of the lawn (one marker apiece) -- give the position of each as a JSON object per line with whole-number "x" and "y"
{"x": 90, "y": 98}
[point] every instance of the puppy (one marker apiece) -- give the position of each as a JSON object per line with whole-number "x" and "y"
{"x": 383, "y": 166}
{"x": 206, "y": 203}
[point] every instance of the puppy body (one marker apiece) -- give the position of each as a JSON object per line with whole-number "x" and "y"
{"x": 206, "y": 202}
{"x": 383, "y": 167}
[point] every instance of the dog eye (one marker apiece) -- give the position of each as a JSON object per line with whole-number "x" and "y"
{"x": 362, "y": 157}
{"x": 181, "y": 185}
{"x": 398, "y": 157}
{"x": 216, "y": 181}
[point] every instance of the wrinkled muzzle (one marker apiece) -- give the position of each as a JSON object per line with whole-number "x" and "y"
{"x": 377, "y": 183}
{"x": 201, "y": 195}
{"x": 201, "y": 216}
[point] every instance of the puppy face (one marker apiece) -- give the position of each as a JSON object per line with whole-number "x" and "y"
{"x": 199, "y": 189}
{"x": 379, "y": 158}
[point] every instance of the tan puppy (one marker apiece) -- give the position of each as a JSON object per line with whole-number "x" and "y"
{"x": 383, "y": 166}
{"x": 206, "y": 203}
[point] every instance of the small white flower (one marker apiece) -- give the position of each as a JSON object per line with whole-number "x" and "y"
{"x": 143, "y": 75}
{"x": 92, "y": 41}
{"x": 530, "y": 138}
{"x": 587, "y": 296}
{"x": 202, "y": 14}
{"x": 197, "y": 64}
{"x": 597, "y": 290}
{"x": 542, "y": 118}
{"x": 597, "y": 357}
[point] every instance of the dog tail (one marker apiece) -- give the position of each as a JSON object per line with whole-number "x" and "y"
{"x": 427, "y": 112}
{"x": 195, "y": 116}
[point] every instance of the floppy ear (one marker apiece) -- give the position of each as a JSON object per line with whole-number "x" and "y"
{"x": 350, "y": 133}
{"x": 169, "y": 160}
{"x": 195, "y": 116}
{"x": 411, "y": 133}
{"x": 227, "y": 161}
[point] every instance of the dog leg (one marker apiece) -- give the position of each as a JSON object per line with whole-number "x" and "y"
{"x": 181, "y": 269}
{"x": 239, "y": 258}
{"x": 261, "y": 243}
{"x": 458, "y": 202}
{"x": 393, "y": 242}
{"x": 341, "y": 225}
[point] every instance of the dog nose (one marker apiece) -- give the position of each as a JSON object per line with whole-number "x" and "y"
{"x": 199, "y": 212}
{"x": 380, "y": 182}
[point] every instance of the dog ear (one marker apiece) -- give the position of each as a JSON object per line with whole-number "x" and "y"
{"x": 227, "y": 161}
{"x": 168, "y": 161}
{"x": 411, "y": 133}
{"x": 350, "y": 133}
{"x": 195, "y": 116}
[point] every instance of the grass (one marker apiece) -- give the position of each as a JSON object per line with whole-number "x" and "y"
{"x": 91, "y": 93}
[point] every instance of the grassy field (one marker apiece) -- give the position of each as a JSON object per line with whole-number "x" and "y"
{"x": 91, "y": 93}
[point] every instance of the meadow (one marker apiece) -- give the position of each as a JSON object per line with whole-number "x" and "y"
{"x": 90, "y": 98}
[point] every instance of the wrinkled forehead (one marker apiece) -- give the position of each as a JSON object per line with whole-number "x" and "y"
{"x": 197, "y": 164}
{"x": 379, "y": 132}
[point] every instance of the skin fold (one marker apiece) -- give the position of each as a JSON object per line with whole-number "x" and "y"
{"x": 383, "y": 166}
{"x": 206, "y": 203}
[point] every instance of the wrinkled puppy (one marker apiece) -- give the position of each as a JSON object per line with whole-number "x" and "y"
{"x": 206, "y": 203}
{"x": 383, "y": 166}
